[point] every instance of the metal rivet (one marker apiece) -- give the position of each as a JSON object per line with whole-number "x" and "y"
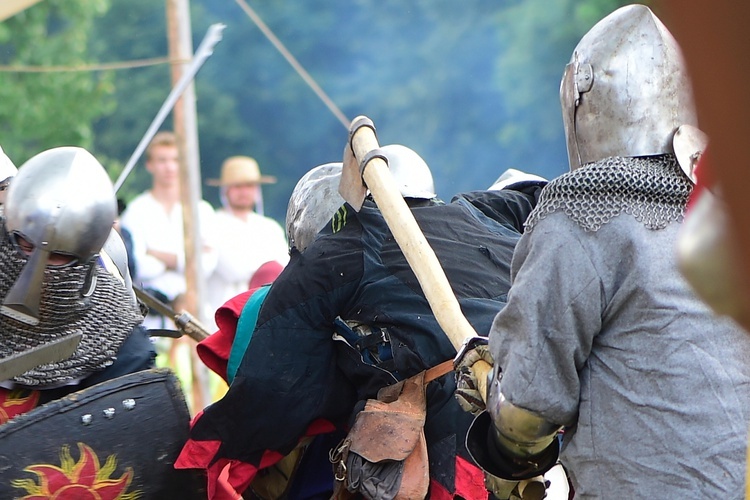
{"x": 109, "y": 413}
{"x": 87, "y": 419}
{"x": 128, "y": 404}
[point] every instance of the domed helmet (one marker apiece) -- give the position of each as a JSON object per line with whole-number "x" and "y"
{"x": 60, "y": 204}
{"x": 313, "y": 202}
{"x": 514, "y": 176}
{"x": 7, "y": 171}
{"x": 410, "y": 171}
{"x": 626, "y": 89}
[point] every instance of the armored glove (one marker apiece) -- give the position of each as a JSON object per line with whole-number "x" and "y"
{"x": 467, "y": 390}
{"x": 529, "y": 489}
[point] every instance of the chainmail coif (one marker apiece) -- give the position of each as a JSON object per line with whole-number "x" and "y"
{"x": 653, "y": 189}
{"x": 105, "y": 319}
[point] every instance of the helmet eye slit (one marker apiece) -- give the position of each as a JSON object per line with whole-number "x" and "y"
{"x": 23, "y": 246}
{"x": 54, "y": 259}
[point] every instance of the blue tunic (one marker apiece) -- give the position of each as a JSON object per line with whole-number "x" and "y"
{"x": 294, "y": 372}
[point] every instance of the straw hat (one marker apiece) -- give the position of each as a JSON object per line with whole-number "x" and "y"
{"x": 240, "y": 170}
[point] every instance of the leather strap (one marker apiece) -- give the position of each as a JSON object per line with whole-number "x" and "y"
{"x": 438, "y": 371}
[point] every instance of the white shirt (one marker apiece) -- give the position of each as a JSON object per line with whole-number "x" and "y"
{"x": 242, "y": 247}
{"x": 151, "y": 226}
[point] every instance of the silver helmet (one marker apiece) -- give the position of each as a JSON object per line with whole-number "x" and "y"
{"x": 626, "y": 89}
{"x": 61, "y": 203}
{"x": 410, "y": 171}
{"x": 313, "y": 202}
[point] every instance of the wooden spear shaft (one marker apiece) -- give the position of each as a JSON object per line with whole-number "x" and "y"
{"x": 418, "y": 252}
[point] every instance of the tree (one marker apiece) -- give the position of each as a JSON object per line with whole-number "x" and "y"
{"x": 539, "y": 37}
{"x": 472, "y": 86}
{"x": 136, "y": 30}
{"x": 40, "y": 110}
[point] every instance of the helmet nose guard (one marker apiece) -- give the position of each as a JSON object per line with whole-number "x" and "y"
{"x": 61, "y": 201}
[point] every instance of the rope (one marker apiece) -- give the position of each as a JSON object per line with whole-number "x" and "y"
{"x": 164, "y": 60}
{"x": 295, "y": 64}
{"x": 140, "y": 63}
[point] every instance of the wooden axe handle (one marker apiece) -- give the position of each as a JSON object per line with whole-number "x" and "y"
{"x": 413, "y": 244}
{"x": 418, "y": 252}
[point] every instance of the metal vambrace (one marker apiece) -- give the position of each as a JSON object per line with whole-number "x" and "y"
{"x": 509, "y": 442}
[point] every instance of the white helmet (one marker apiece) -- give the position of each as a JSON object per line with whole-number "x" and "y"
{"x": 626, "y": 89}
{"x": 410, "y": 171}
{"x": 7, "y": 168}
{"x": 513, "y": 176}
{"x": 7, "y": 171}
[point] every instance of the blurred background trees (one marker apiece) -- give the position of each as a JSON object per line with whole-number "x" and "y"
{"x": 472, "y": 85}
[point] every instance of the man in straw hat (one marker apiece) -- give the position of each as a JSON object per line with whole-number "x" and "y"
{"x": 244, "y": 238}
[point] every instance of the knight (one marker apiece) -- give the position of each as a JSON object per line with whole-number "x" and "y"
{"x": 603, "y": 353}
{"x": 75, "y": 424}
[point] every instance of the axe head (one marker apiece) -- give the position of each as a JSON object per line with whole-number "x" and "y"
{"x": 352, "y": 187}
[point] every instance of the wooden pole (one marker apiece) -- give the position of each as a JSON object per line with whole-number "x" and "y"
{"x": 186, "y": 130}
{"x": 9, "y": 8}
{"x": 415, "y": 247}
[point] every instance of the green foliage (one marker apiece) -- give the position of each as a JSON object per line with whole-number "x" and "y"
{"x": 43, "y": 110}
{"x": 539, "y": 36}
{"x": 421, "y": 71}
{"x": 471, "y": 85}
{"x": 136, "y": 30}
{"x": 130, "y": 30}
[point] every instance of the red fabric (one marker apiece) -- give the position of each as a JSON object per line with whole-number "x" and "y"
{"x": 469, "y": 483}
{"x": 214, "y": 351}
{"x": 469, "y": 480}
{"x": 704, "y": 177}
{"x": 438, "y": 492}
{"x": 265, "y": 274}
{"x": 228, "y": 479}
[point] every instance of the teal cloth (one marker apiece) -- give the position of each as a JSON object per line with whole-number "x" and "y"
{"x": 245, "y": 327}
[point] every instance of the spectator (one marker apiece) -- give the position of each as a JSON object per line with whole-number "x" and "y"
{"x": 244, "y": 238}
{"x": 154, "y": 220}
